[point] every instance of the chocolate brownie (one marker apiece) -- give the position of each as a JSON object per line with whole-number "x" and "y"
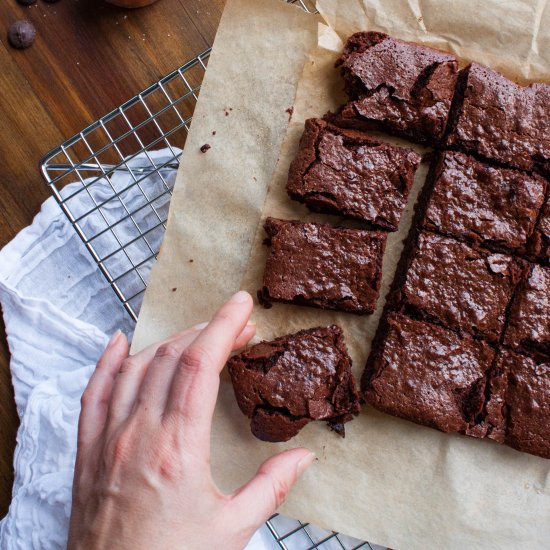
{"x": 322, "y": 266}
{"x": 428, "y": 374}
{"x": 457, "y": 286}
{"x": 345, "y": 172}
{"x": 529, "y": 323}
{"x": 500, "y": 120}
{"x": 518, "y": 412}
{"x": 400, "y": 87}
{"x": 493, "y": 207}
{"x": 540, "y": 242}
{"x": 285, "y": 384}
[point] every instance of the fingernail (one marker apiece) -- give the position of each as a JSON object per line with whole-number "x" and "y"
{"x": 240, "y": 297}
{"x": 251, "y": 323}
{"x": 200, "y": 326}
{"x": 304, "y": 463}
{"x": 114, "y": 338}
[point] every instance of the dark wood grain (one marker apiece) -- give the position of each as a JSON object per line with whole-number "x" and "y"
{"x": 88, "y": 58}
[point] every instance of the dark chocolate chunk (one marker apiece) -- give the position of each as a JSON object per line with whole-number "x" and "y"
{"x": 345, "y": 172}
{"x": 285, "y": 384}
{"x": 322, "y": 266}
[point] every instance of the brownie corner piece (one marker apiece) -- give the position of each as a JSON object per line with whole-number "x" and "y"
{"x": 518, "y": 410}
{"x": 284, "y": 384}
{"x": 485, "y": 205}
{"x": 528, "y": 326}
{"x": 396, "y": 86}
{"x": 452, "y": 284}
{"x": 428, "y": 374}
{"x": 346, "y": 172}
{"x": 321, "y": 266}
{"x": 500, "y": 120}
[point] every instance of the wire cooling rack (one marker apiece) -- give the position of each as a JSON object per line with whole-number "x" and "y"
{"x": 127, "y": 141}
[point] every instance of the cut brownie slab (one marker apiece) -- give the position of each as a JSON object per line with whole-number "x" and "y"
{"x": 493, "y": 207}
{"x": 518, "y": 412}
{"x": 400, "y": 87}
{"x": 529, "y": 323}
{"x": 285, "y": 384}
{"x": 322, "y": 266}
{"x": 345, "y": 172}
{"x": 500, "y": 120}
{"x": 428, "y": 374}
{"x": 462, "y": 288}
{"x": 540, "y": 242}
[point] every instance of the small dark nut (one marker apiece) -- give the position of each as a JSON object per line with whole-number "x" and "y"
{"x": 21, "y": 34}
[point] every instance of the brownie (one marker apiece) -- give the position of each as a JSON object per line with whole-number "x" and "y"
{"x": 428, "y": 374}
{"x": 540, "y": 241}
{"x": 285, "y": 384}
{"x": 493, "y": 207}
{"x": 345, "y": 172}
{"x": 400, "y": 87}
{"x": 501, "y": 120}
{"x": 529, "y": 323}
{"x": 518, "y": 412}
{"x": 457, "y": 286}
{"x": 322, "y": 266}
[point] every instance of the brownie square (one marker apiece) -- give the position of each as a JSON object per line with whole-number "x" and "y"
{"x": 345, "y": 172}
{"x": 285, "y": 384}
{"x": 529, "y": 323}
{"x": 321, "y": 266}
{"x": 457, "y": 286}
{"x": 428, "y": 374}
{"x": 403, "y": 88}
{"x": 493, "y": 207}
{"x": 540, "y": 242}
{"x": 518, "y": 412}
{"x": 500, "y": 120}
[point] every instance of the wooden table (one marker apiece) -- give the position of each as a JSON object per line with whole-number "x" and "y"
{"x": 88, "y": 58}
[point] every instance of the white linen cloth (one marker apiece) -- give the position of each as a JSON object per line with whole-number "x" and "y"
{"x": 59, "y": 312}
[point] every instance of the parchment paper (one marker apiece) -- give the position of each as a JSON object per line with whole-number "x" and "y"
{"x": 390, "y": 481}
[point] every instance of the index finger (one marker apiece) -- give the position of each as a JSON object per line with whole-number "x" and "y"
{"x": 195, "y": 384}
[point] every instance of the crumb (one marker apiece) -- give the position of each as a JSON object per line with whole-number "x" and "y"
{"x": 213, "y": 132}
{"x": 174, "y": 289}
{"x": 205, "y": 148}
{"x": 226, "y": 113}
{"x": 230, "y": 108}
{"x": 290, "y": 110}
{"x": 191, "y": 261}
{"x": 254, "y": 178}
{"x": 420, "y": 19}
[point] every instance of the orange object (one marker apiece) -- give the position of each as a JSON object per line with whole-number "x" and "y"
{"x": 131, "y": 3}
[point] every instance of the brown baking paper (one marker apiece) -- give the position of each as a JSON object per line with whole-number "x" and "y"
{"x": 389, "y": 481}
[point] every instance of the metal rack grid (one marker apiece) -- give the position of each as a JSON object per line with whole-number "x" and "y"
{"x": 85, "y": 175}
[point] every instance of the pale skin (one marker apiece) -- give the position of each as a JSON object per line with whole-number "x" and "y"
{"x": 142, "y": 475}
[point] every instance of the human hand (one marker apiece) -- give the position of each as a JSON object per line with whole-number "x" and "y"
{"x": 142, "y": 474}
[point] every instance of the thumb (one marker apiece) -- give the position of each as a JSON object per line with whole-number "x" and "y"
{"x": 258, "y": 499}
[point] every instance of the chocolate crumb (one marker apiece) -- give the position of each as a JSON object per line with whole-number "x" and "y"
{"x": 226, "y": 113}
{"x": 213, "y": 132}
{"x": 205, "y": 148}
{"x": 21, "y": 34}
{"x": 174, "y": 289}
{"x": 428, "y": 156}
{"x": 290, "y": 110}
{"x": 191, "y": 261}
